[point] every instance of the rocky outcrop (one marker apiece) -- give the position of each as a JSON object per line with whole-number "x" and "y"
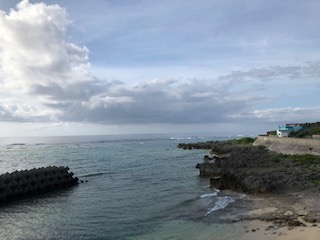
{"x": 199, "y": 145}
{"x": 38, "y": 180}
{"x": 255, "y": 169}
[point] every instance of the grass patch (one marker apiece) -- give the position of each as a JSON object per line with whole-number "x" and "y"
{"x": 302, "y": 159}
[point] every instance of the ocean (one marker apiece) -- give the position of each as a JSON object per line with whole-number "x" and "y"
{"x": 134, "y": 187}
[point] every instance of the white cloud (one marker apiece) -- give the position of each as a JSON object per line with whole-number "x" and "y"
{"x": 37, "y": 64}
{"x": 45, "y": 77}
{"x": 279, "y": 115}
{"x": 106, "y": 102}
{"x": 34, "y": 51}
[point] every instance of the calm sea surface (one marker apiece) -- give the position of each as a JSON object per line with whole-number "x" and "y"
{"x": 136, "y": 187}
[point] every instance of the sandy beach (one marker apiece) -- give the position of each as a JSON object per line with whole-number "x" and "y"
{"x": 262, "y": 230}
{"x": 285, "y": 217}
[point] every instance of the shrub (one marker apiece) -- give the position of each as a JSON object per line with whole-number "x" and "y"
{"x": 244, "y": 140}
{"x": 302, "y": 159}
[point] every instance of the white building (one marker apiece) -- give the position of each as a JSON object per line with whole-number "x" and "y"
{"x": 283, "y": 133}
{"x": 284, "y": 130}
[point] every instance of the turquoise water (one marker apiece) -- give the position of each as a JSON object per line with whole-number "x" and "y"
{"x": 135, "y": 187}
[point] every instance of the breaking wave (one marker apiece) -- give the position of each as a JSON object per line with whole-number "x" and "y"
{"x": 221, "y": 203}
{"x": 209, "y": 195}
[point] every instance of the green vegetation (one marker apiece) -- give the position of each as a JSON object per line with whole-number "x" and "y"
{"x": 272, "y": 133}
{"x": 244, "y": 140}
{"x": 305, "y": 159}
{"x": 308, "y": 130}
{"x": 317, "y": 181}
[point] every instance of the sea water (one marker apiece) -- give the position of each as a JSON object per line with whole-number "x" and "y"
{"x": 135, "y": 187}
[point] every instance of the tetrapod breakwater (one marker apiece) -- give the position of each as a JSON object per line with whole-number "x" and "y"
{"x": 35, "y": 181}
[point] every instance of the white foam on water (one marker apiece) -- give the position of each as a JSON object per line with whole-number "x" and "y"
{"x": 221, "y": 203}
{"x": 181, "y": 138}
{"x": 209, "y": 195}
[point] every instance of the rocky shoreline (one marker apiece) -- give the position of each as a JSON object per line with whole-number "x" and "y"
{"x": 292, "y": 182}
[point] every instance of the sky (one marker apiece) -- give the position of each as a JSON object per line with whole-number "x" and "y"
{"x": 70, "y": 67}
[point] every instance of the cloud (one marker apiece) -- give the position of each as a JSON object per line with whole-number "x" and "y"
{"x": 297, "y": 114}
{"x": 44, "y": 77}
{"x": 155, "y": 102}
{"x": 7, "y": 113}
{"x": 34, "y": 51}
{"x": 308, "y": 70}
{"x": 53, "y": 76}
{"x": 175, "y": 31}
{"x": 19, "y": 111}
{"x": 37, "y": 64}
{"x": 265, "y": 74}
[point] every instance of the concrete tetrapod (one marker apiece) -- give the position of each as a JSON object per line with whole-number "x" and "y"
{"x": 37, "y": 180}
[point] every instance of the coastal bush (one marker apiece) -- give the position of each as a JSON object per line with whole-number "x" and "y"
{"x": 302, "y": 159}
{"x": 315, "y": 130}
{"x": 316, "y": 181}
{"x": 272, "y": 133}
{"x": 307, "y": 131}
{"x": 244, "y": 140}
{"x": 303, "y": 133}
